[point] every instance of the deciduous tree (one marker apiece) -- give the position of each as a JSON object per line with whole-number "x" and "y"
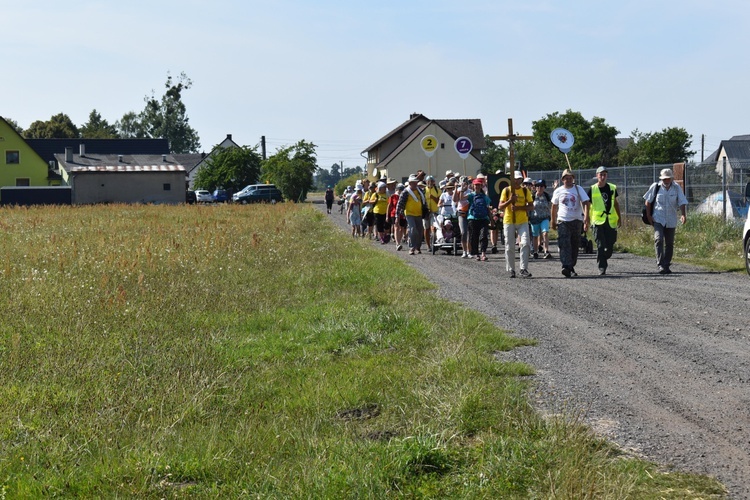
{"x": 60, "y": 126}
{"x": 291, "y": 169}
{"x": 595, "y": 143}
{"x": 230, "y": 168}
{"x": 164, "y": 118}
{"x": 98, "y": 128}
{"x": 671, "y": 145}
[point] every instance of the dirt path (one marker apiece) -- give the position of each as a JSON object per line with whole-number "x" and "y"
{"x": 658, "y": 364}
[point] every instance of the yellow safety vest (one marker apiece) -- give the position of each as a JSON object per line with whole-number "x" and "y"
{"x": 598, "y": 210}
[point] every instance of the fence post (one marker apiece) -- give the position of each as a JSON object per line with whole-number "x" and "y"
{"x": 724, "y": 187}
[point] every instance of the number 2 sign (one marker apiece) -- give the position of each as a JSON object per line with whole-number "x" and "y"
{"x": 429, "y": 145}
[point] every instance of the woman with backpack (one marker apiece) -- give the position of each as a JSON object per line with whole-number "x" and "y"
{"x": 516, "y": 202}
{"x": 479, "y": 218}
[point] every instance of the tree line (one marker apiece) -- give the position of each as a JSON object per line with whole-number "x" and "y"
{"x": 596, "y": 144}
{"x": 164, "y": 117}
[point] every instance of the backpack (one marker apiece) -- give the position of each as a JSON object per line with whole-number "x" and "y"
{"x": 479, "y": 207}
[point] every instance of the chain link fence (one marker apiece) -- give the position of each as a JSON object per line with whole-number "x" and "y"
{"x": 703, "y": 185}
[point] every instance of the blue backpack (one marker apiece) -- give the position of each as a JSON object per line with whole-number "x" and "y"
{"x": 479, "y": 207}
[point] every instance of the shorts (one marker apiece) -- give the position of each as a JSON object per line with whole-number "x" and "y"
{"x": 542, "y": 227}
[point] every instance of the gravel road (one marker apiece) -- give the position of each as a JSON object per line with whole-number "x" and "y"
{"x": 659, "y": 365}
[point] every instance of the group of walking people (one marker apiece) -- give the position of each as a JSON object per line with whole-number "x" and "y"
{"x": 409, "y": 213}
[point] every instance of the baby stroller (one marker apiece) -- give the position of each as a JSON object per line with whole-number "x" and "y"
{"x": 446, "y": 235}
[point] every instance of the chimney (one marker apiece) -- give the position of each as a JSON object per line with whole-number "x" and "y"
{"x": 52, "y": 165}
{"x": 229, "y": 136}
{"x": 164, "y": 158}
{"x": 69, "y": 154}
{"x": 119, "y": 158}
{"x": 82, "y": 150}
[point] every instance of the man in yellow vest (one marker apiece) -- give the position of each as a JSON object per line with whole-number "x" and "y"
{"x": 605, "y": 217}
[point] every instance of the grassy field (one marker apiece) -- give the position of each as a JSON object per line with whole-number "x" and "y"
{"x": 253, "y": 351}
{"x": 704, "y": 240}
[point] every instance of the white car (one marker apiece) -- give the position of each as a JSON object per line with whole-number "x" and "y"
{"x": 746, "y": 242}
{"x": 203, "y": 196}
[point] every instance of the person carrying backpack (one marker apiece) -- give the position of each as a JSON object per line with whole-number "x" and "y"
{"x": 516, "y": 203}
{"x": 479, "y": 219}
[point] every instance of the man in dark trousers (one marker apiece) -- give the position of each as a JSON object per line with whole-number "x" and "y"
{"x": 604, "y": 217}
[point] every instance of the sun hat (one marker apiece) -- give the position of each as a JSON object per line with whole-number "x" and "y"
{"x": 601, "y": 169}
{"x": 666, "y": 174}
{"x": 421, "y": 184}
{"x": 391, "y": 180}
{"x": 528, "y": 180}
{"x": 480, "y": 175}
{"x": 413, "y": 178}
{"x": 442, "y": 183}
{"x": 449, "y": 173}
{"x": 477, "y": 181}
{"x": 567, "y": 172}
{"x": 381, "y": 185}
{"x": 518, "y": 175}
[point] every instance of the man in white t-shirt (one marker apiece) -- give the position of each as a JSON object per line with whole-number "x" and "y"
{"x": 570, "y": 216}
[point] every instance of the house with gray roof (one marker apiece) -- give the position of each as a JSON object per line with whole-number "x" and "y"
{"x": 399, "y": 153}
{"x": 136, "y": 178}
{"x": 737, "y": 152}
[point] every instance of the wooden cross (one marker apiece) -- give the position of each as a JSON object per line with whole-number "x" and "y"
{"x": 511, "y": 138}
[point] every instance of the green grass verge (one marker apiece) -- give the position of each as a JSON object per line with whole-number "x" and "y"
{"x": 254, "y": 351}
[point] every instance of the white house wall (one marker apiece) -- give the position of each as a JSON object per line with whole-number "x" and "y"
{"x": 129, "y": 187}
{"x": 413, "y": 158}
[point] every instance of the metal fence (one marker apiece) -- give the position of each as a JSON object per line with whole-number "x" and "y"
{"x": 703, "y": 185}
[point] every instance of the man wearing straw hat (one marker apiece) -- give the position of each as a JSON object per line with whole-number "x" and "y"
{"x": 665, "y": 202}
{"x": 570, "y": 216}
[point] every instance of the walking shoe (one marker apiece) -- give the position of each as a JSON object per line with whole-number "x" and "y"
{"x": 399, "y": 247}
{"x": 525, "y": 274}
{"x": 669, "y": 271}
{"x": 566, "y": 272}
{"x": 547, "y": 255}
{"x": 536, "y": 255}
{"x": 465, "y": 255}
{"x": 541, "y": 248}
{"x": 602, "y": 271}
{"x": 494, "y": 250}
{"x": 573, "y": 273}
{"x": 511, "y": 274}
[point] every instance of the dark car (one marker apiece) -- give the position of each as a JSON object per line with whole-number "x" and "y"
{"x": 221, "y": 196}
{"x": 260, "y": 193}
{"x": 190, "y": 197}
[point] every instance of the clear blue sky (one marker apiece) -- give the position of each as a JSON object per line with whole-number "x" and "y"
{"x": 344, "y": 73}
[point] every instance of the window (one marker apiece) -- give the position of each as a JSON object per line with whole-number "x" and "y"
{"x": 23, "y": 182}
{"x": 12, "y": 157}
{"x": 167, "y": 186}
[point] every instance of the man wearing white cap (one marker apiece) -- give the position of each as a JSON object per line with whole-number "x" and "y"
{"x": 663, "y": 199}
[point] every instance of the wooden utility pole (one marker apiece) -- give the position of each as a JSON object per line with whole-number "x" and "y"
{"x": 511, "y": 138}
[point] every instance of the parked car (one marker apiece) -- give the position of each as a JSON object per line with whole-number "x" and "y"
{"x": 261, "y": 193}
{"x": 190, "y": 196}
{"x": 203, "y": 196}
{"x": 746, "y": 243}
{"x": 235, "y": 196}
{"x": 221, "y": 196}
